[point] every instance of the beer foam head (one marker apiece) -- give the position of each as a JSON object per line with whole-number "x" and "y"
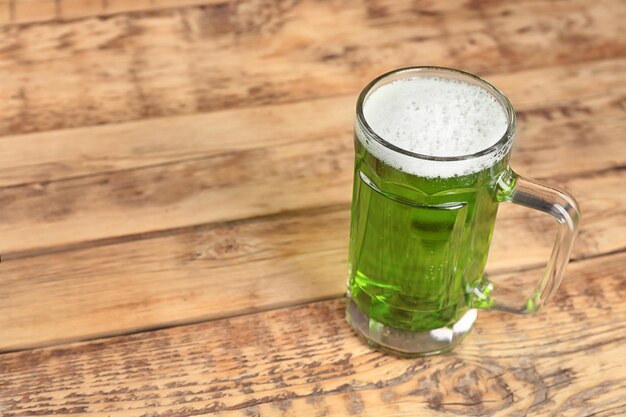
{"x": 436, "y": 117}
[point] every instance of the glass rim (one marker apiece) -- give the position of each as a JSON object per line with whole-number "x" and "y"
{"x": 504, "y": 141}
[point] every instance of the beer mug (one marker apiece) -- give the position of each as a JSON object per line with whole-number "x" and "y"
{"x": 432, "y": 149}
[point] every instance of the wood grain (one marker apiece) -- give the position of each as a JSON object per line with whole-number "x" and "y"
{"x": 164, "y": 279}
{"x": 218, "y": 188}
{"x": 142, "y": 65}
{"x": 302, "y": 361}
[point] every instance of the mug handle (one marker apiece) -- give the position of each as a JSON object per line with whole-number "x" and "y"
{"x": 516, "y": 189}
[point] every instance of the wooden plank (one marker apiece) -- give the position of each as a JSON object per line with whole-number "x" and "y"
{"x": 49, "y": 156}
{"x": 308, "y": 164}
{"x": 305, "y": 361}
{"x": 30, "y": 11}
{"x": 589, "y": 94}
{"x": 73, "y": 9}
{"x": 215, "y": 271}
{"x": 135, "y": 66}
{"x": 5, "y": 11}
{"x": 34, "y": 10}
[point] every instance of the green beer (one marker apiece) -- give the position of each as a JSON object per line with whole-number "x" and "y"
{"x": 424, "y": 206}
{"x": 432, "y": 147}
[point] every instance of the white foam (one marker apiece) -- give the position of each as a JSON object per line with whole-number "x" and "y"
{"x": 436, "y": 117}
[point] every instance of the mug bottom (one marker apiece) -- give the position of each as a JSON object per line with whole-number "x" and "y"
{"x": 405, "y": 343}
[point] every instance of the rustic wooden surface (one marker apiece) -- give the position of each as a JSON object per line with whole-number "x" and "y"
{"x": 304, "y": 361}
{"x": 152, "y": 151}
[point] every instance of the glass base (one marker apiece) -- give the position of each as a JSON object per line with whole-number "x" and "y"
{"x": 405, "y": 343}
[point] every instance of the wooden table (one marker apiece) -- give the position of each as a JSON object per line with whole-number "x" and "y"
{"x": 175, "y": 181}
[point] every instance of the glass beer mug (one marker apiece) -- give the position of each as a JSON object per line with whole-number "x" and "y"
{"x": 432, "y": 151}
